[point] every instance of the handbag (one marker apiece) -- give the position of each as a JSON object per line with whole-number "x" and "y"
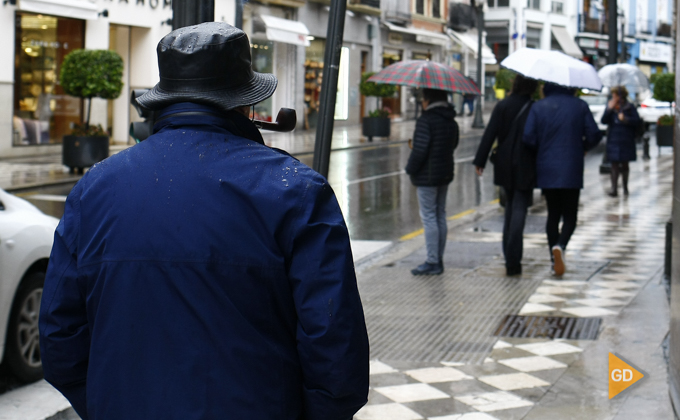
{"x": 494, "y": 150}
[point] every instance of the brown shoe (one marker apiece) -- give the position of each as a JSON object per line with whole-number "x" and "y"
{"x": 558, "y": 260}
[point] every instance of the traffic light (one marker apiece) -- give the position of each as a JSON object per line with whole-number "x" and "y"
{"x": 141, "y": 130}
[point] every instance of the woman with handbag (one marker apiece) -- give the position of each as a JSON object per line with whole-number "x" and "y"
{"x": 623, "y": 120}
{"x": 514, "y": 165}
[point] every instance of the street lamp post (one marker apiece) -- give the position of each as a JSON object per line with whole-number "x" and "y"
{"x": 478, "y": 122}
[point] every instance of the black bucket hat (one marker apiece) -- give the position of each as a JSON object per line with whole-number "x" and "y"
{"x": 210, "y": 64}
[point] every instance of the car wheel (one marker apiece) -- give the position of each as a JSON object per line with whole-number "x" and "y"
{"x": 22, "y": 354}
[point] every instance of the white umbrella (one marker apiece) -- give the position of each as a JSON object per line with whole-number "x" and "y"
{"x": 553, "y": 66}
{"x": 624, "y": 75}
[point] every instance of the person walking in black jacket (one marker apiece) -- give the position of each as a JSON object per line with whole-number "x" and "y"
{"x": 623, "y": 120}
{"x": 514, "y": 167}
{"x": 430, "y": 167}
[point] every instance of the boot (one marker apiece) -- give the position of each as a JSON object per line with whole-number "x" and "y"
{"x": 615, "y": 179}
{"x": 625, "y": 170}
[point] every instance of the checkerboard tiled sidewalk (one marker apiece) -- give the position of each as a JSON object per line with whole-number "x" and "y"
{"x": 622, "y": 236}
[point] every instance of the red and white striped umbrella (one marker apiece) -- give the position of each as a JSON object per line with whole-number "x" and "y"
{"x": 425, "y": 74}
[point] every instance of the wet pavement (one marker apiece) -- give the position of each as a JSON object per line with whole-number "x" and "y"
{"x": 433, "y": 349}
{"x": 434, "y": 354}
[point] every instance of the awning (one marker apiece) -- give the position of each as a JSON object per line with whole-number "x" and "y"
{"x": 566, "y": 42}
{"x": 77, "y": 9}
{"x": 470, "y": 42}
{"x": 284, "y": 30}
{"x": 421, "y": 35}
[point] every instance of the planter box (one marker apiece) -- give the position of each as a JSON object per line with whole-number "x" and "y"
{"x": 664, "y": 135}
{"x": 375, "y": 127}
{"x": 81, "y": 152}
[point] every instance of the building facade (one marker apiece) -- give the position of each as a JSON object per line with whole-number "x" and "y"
{"x": 39, "y": 34}
{"x": 643, "y": 27}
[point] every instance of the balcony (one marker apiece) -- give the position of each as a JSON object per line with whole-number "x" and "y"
{"x": 398, "y": 17}
{"x": 367, "y": 7}
{"x": 285, "y": 3}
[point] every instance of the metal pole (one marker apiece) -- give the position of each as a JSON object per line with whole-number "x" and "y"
{"x": 613, "y": 27}
{"x": 606, "y": 167}
{"x": 329, "y": 86}
{"x": 188, "y": 12}
{"x": 238, "y": 21}
{"x": 623, "y": 42}
{"x": 478, "y": 122}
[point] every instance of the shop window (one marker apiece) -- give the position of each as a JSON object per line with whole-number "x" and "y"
{"x": 314, "y": 64}
{"x": 43, "y": 113}
{"x": 263, "y": 62}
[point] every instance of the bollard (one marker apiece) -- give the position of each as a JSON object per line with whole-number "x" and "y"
{"x": 669, "y": 246}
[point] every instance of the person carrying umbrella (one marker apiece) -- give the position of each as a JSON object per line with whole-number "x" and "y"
{"x": 430, "y": 167}
{"x": 623, "y": 120}
{"x": 430, "y": 164}
{"x": 514, "y": 165}
{"x": 561, "y": 129}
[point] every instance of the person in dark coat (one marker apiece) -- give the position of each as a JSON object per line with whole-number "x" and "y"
{"x": 622, "y": 119}
{"x": 201, "y": 274}
{"x": 430, "y": 167}
{"x": 514, "y": 165}
{"x": 560, "y": 128}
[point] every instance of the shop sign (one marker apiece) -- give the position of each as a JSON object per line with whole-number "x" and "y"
{"x": 152, "y": 3}
{"x": 659, "y": 53}
{"x": 603, "y": 45}
{"x": 586, "y": 42}
{"x": 395, "y": 39}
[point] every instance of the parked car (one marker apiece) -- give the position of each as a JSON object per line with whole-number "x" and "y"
{"x": 597, "y": 105}
{"x": 650, "y": 110}
{"x": 26, "y": 236}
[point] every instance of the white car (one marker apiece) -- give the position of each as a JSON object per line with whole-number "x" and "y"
{"x": 26, "y": 236}
{"x": 650, "y": 110}
{"x": 597, "y": 105}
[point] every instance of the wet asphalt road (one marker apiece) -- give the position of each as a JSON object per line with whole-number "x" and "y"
{"x": 374, "y": 193}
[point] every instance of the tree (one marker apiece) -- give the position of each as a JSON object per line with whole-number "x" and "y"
{"x": 91, "y": 74}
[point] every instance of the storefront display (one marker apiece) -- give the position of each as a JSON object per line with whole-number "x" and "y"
{"x": 263, "y": 62}
{"x": 43, "y": 114}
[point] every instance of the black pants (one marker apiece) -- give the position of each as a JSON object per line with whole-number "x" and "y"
{"x": 516, "y": 205}
{"x": 562, "y": 206}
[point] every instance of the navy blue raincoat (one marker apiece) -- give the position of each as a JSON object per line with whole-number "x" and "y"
{"x": 561, "y": 129}
{"x": 203, "y": 275}
{"x": 621, "y": 134}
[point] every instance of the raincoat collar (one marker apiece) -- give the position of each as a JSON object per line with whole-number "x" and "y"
{"x": 188, "y": 113}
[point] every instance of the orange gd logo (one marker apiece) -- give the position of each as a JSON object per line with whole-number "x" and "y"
{"x": 621, "y": 375}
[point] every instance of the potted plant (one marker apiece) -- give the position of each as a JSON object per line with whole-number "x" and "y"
{"x": 664, "y": 90}
{"x": 89, "y": 74}
{"x": 377, "y": 123}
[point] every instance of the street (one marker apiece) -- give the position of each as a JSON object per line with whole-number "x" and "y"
{"x": 375, "y": 195}
{"x": 434, "y": 353}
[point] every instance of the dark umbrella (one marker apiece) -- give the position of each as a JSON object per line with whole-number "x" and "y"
{"x": 425, "y": 74}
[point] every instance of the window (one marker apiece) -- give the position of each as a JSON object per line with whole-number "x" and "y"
{"x": 420, "y": 7}
{"x": 436, "y": 7}
{"x": 498, "y": 3}
{"x": 534, "y": 4}
{"x": 43, "y": 114}
{"x": 557, "y": 7}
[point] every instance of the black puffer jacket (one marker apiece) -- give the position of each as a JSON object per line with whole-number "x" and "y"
{"x": 434, "y": 140}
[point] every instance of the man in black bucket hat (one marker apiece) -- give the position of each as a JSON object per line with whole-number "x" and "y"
{"x": 201, "y": 274}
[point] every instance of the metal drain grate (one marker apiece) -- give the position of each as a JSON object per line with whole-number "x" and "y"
{"x": 552, "y": 327}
